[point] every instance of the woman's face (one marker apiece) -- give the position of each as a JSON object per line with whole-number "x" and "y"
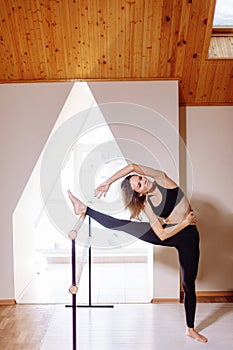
{"x": 140, "y": 184}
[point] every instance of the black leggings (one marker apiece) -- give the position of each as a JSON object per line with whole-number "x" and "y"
{"x": 186, "y": 242}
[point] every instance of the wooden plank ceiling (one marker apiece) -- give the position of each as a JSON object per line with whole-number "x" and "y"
{"x": 63, "y": 40}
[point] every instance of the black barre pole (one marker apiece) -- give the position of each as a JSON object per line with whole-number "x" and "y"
{"x": 73, "y": 289}
{"x": 74, "y": 306}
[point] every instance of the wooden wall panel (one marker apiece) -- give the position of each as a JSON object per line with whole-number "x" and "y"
{"x": 60, "y": 40}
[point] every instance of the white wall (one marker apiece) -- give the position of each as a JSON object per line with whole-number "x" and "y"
{"x": 24, "y": 222}
{"x": 143, "y": 117}
{"x": 28, "y": 113}
{"x": 210, "y": 143}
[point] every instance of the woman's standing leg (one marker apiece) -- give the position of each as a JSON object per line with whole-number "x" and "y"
{"x": 188, "y": 251}
{"x": 187, "y": 244}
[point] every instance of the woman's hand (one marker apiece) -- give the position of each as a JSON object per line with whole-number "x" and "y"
{"x": 191, "y": 218}
{"x": 102, "y": 190}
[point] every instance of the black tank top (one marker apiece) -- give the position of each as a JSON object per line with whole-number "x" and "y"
{"x": 170, "y": 198}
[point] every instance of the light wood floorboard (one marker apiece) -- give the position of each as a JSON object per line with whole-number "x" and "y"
{"x": 125, "y": 327}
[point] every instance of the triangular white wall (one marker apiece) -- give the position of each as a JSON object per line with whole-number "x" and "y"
{"x": 28, "y": 113}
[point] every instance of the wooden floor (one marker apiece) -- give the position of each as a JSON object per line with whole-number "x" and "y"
{"x": 125, "y": 327}
{"x": 24, "y": 326}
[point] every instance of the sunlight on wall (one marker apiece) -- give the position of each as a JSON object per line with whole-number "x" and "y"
{"x": 48, "y": 239}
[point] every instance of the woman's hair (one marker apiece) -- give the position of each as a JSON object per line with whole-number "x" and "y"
{"x": 132, "y": 199}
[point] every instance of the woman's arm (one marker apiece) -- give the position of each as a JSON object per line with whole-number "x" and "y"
{"x": 139, "y": 169}
{"x": 147, "y": 171}
{"x": 167, "y": 232}
{"x": 121, "y": 173}
{"x": 103, "y": 188}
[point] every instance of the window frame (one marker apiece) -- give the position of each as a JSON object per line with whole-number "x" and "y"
{"x": 222, "y": 31}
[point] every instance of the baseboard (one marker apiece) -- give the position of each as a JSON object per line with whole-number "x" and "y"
{"x": 7, "y": 302}
{"x": 165, "y": 300}
{"x": 212, "y": 296}
{"x": 228, "y": 293}
{"x": 202, "y": 297}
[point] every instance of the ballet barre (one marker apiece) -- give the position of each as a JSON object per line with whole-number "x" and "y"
{"x": 76, "y": 275}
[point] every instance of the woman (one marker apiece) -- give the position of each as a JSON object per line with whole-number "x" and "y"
{"x": 171, "y": 223}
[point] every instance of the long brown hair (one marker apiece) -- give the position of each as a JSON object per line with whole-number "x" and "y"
{"x": 132, "y": 199}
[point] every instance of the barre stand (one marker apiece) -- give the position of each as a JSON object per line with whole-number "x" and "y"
{"x": 74, "y": 287}
{"x": 90, "y": 277}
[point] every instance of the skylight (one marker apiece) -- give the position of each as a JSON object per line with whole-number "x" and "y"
{"x": 223, "y": 16}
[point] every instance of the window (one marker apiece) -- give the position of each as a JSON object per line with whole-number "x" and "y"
{"x": 221, "y": 43}
{"x": 223, "y": 16}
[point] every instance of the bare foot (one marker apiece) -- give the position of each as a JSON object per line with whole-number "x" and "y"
{"x": 195, "y": 335}
{"x": 79, "y": 207}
